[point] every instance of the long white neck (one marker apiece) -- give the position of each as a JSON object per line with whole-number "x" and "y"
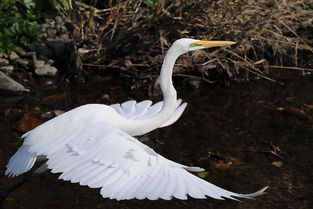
{"x": 166, "y": 83}
{"x": 169, "y": 96}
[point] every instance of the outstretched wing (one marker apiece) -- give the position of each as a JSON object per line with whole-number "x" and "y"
{"x": 145, "y": 109}
{"x": 105, "y": 157}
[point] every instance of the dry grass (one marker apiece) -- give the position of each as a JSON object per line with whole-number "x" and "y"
{"x": 132, "y": 36}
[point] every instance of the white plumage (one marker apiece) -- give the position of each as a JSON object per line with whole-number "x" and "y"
{"x": 93, "y": 145}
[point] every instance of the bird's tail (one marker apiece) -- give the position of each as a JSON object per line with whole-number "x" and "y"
{"x": 21, "y": 162}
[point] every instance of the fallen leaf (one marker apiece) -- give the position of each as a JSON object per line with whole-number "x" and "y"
{"x": 9, "y": 200}
{"x": 27, "y": 123}
{"x": 222, "y": 166}
{"x": 309, "y": 106}
{"x": 236, "y": 161}
{"x": 128, "y": 63}
{"x": 294, "y": 111}
{"x": 202, "y": 174}
{"x": 277, "y": 164}
{"x": 279, "y": 108}
{"x": 54, "y": 99}
{"x": 105, "y": 96}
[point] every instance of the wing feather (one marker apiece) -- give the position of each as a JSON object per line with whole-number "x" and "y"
{"x": 145, "y": 109}
{"x": 105, "y": 157}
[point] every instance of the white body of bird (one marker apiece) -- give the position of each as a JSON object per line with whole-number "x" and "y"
{"x": 93, "y": 145}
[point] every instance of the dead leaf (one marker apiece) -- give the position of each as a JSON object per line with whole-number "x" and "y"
{"x": 236, "y": 161}
{"x": 54, "y": 99}
{"x": 222, "y": 166}
{"x": 128, "y": 63}
{"x": 277, "y": 164}
{"x": 105, "y": 96}
{"x": 183, "y": 32}
{"x": 294, "y": 111}
{"x": 202, "y": 174}
{"x": 309, "y": 106}
{"x": 27, "y": 123}
{"x": 279, "y": 108}
{"x": 9, "y": 200}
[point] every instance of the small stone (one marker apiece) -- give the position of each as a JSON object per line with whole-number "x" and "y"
{"x": 22, "y": 62}
{"x": 21, "y": 52}
{"x": 13, "y": 56}
{"x": 64, "y": 37}
{"x": 105, "y": 96}
{"x": 44, "y": 26}
{"x": 49, "y": 61}
{"x": 3, "y": 61}
{"x": 51, "y": 32}
{"x": 59, "y": 20}
{"x": 46, "y": 70}
{"x": 7, "y": 69}
{"x": 8, "y": 84}
{"x": 39, "y": 63}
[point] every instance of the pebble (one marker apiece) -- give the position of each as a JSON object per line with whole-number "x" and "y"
{"x": 59, "y": 20}
{"x": 51, "y": 32}
{"x": 46, "y": 70}
{"x": 4, "y": 61}
{"x": 39, "y": 63}
{"x": 22, "y": 62}
{"x": 7, "y": 69}
{"x": 13, "y": 56}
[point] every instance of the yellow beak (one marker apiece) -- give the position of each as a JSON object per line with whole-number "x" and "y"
{"x": 212, "y": 43}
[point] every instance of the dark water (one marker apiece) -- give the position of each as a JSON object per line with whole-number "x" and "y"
{"x": 237, "y": 122}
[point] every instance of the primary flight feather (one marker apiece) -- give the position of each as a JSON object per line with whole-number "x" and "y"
{"x": 93, "y": 145}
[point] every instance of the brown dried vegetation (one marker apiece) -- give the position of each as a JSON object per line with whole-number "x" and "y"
{"x": 133, "y": 36}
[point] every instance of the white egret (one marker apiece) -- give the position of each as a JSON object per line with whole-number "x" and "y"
{"x": 93, "y": 145}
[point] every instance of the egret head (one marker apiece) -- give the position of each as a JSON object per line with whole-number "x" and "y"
{"x": 184, "y": 45}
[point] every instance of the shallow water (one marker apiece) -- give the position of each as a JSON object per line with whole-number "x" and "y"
{"x": 239, "y": 122}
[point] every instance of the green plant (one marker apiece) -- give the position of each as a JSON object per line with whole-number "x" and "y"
{"x": 19, "y": 20}
{"x": 17, "y": 24}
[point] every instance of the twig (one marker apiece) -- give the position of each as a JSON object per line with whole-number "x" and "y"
{"x": 263, "y": 76}
{"x": 292, "y": 31}
{"x": 245, "y": 60}
{"x": 290, "y": 68}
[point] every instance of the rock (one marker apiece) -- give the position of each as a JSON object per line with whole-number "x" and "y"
{"x": 7, "y": 69}
{"x": 13, "y": 56}
{"x": 8, "y": 84}
{"x": 3, "y": 61}
{"x": 59, "y": 20}
{"x": 65, "y": 37}
{"x": 58, "y": 47}
{"x": 46, "y": 70}
{"x": 51, "y": 32}
{"x": 39, "y": 63}
{"x": 21, "y": 52}
{"x": 22, "y": 62}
